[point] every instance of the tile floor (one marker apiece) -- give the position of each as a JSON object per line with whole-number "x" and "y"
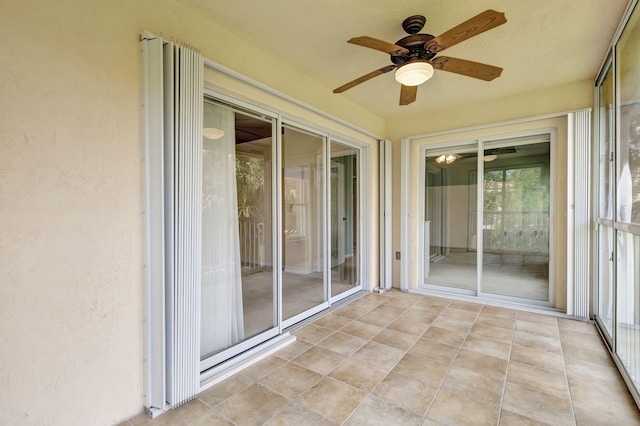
{"x": 406, "y": 359}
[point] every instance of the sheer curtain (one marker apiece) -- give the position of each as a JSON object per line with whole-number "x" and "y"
{"x": 222, "y": 322}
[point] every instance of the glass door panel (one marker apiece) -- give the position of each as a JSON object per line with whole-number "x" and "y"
{"x": 303, "y": 221}
{"x": 238, "y": 286}
{"x": 628, "y": 306}
{"x": 344, "y": 199}
{"x": 627, "y": 196}
{"x": 604, "y": 211}
{"x": 605, "y": 277}
{"x": 450, "y": 221}
{"x": 516, "y": 221}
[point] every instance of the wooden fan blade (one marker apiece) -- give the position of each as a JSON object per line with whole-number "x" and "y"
{"x": 364, "y": 78}
{"x": 383, "y": 46}
{"x": 468, "y": 68}
{"x": 408, "y": 94}
{"x": 478, "y": 24}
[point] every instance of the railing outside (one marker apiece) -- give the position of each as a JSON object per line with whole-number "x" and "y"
{"x": 252, "y": 245}
{"x": 519, "y": 232}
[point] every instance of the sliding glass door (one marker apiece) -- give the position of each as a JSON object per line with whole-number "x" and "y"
{"x": 449, "y": 225}
{"x": 507, "y": 233}
{"x": 239, "y": 292}
{"x": 516, "y": 203}
{"x": 344, "y": 201}
{"x": 627, "y": 196}
{"x": 304, "y": 286}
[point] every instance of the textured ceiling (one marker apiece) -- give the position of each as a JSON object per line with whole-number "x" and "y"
{"x": 544, "y": 43}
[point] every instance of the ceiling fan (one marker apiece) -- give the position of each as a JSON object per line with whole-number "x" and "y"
{"x": 414, "y": 56}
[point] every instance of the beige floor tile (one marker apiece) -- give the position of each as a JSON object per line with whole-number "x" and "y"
{"x": 534, "y": 341}
{"x": 253, "y": 406}
{"x": 575, "y": 352}
{"x": 508, "y": 418}
{"x": 409, "y": 326}
{"x": 536, "y": 405}
{"x": 182, "y": 415}
{"x": 474, "y": 385}
{"x": 483, "y": 318}
{"x": 225, "y": 389}
{"x": 291, "y": 380}
{"x": 546, "y": 381}
{"x": 445, "y": 336}
{"x": 342, "y": 343}
{"x": 592, "y": 341}
{"x": 211, "y": 419}
{"x": 487, "y": 347}
{"x": 592, "y": 373}
{"x": 320, "y": 360}
{"x": 575, "y": 326}
{"x": 434, "y": 301}
{"x": 368, "y": 301}
{"x": 490, "y": 332}
{"x": 333, "y": 321}
{"x": 377, "y": 411}
{"x": 399, "y": 294}
{"x": 468, "y": 306}
{"x": 333, "y": 399}
{"x": 452, "y": 324}
{"x": 489, "y": 366}
{"x": 406, "y": 392}
{"x": 589, "y": 415}
{"x": 359, "y": 374}
{"x": 375, "y": 318}
{"x": 538, "y": 318}
{"x": 312, "y": 333}
{"x": 378, "y": 354}
{"x": 497, "y": 312}
{"x": 362, "y": 329}
{"x": 548, "y": 330}
{"x": 452, "y": 408}
{"x": 397, "y": 339}
{"x": 263, "y": 367}
{"x": 438, "y": 352}
{"x": 400, "y": 302}
{"x": 609, "y": 398}
{"x": 421, "y": 316}
{"x": 430, "y": 372}
{"x": 386, "y": 309}
{"x": 295, "y": 415}
{"x": 537, "y": 358}
{"x": 451, "y": 312}
{"x": 352, "y": 311}
{"x": 294, "y": 349}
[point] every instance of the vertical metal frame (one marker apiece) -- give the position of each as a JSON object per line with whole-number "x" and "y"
{"x": 385, "y": 212}
{"x": 153, "y": 213}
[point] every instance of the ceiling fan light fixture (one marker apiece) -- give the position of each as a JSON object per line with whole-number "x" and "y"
{"x": 414, "y": 73}
{"x": 446, "y": 158}
{"x": 212, "y": 133}
{"x": 490, "y": 157}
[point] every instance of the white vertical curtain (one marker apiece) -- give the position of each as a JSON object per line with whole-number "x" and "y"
{"x": 222, "y": 322}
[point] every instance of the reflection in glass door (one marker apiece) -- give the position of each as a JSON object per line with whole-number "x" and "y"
{"x": 448, "y": 197}
{"x": 239, "y": 296}
{"x": 344, "y": 200}
{"x": 304, "y": 286}
{"x": 516, "y": 205}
